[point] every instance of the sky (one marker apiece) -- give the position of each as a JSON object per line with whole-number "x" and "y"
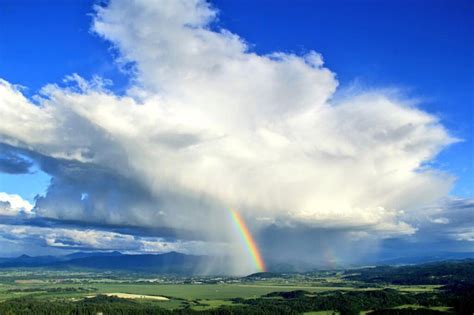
{"x": 342, "y": 131}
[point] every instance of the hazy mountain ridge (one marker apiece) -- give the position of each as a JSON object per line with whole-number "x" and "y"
{"x": 441, "y": 256}
{"x": 447, "y": 272}
{"x": 167, "y": 263}
{"x": 175, "y": 263}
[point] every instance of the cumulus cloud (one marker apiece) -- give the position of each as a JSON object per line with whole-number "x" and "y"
{"x": 440, "y": 220}
{"x": 12, "y": 204}
{"x": 95, "y": 239}
{"x": 208, "y": 124}
{"x": 453, "y": 219}
{"x": 444, "y": 229}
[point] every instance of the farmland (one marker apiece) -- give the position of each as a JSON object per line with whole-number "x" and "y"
{"x": 310, "y": 293}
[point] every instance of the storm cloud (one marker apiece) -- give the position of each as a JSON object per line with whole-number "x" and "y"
{"x": 209, "y": 125}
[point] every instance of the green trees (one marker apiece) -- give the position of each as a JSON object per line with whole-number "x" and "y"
{"x": 460, "y": 297}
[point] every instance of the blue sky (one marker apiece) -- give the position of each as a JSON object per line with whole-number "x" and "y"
{"x": 421, "y": 49}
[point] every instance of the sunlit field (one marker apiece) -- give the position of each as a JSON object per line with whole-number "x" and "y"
{"x": 196, "y": 293}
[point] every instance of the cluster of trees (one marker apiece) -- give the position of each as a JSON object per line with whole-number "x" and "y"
{"x": 287, "y": 303}
{"x": 53, "y": 290}
{"x": 351, "y": 302}
{"x": 459, "y": 297}
{"x": 100, "y": 304}
{"x": 406, "y": 311}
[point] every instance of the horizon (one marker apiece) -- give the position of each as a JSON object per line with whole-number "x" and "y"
{"x": 309, "y": 133}
{"x": 187, "y": 266}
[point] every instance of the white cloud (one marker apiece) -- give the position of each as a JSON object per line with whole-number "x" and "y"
{"x": 440, "y": 220}
{"x": 93, "y": 239}
{"x": 12, "y": 204}
{"x": 465, "y": 236}
{"x": 209, "y": 125}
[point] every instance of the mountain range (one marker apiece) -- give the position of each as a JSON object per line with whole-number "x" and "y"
{"x": 176, "y": 263}
{"x": 168, "y": 263}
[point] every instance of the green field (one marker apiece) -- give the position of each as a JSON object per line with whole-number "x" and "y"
{"x": 197, "y": 296}
{"x": 198, "y": 293}
{"x": 181, "y": 291}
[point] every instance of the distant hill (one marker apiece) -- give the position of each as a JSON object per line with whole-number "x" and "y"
{"x": 89, "y": 254}
{"x": 446, "y": 272}
{"x": 168, "y": 263}
{"x": 39, "y": 261}
{"x": 435, "y": 257}
{"x": 182, "y": 264}
{"x": 264, "y": 275}
{"x": 27, "y": 261}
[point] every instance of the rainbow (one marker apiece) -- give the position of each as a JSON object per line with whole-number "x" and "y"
{"x": 248, "y": 240}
